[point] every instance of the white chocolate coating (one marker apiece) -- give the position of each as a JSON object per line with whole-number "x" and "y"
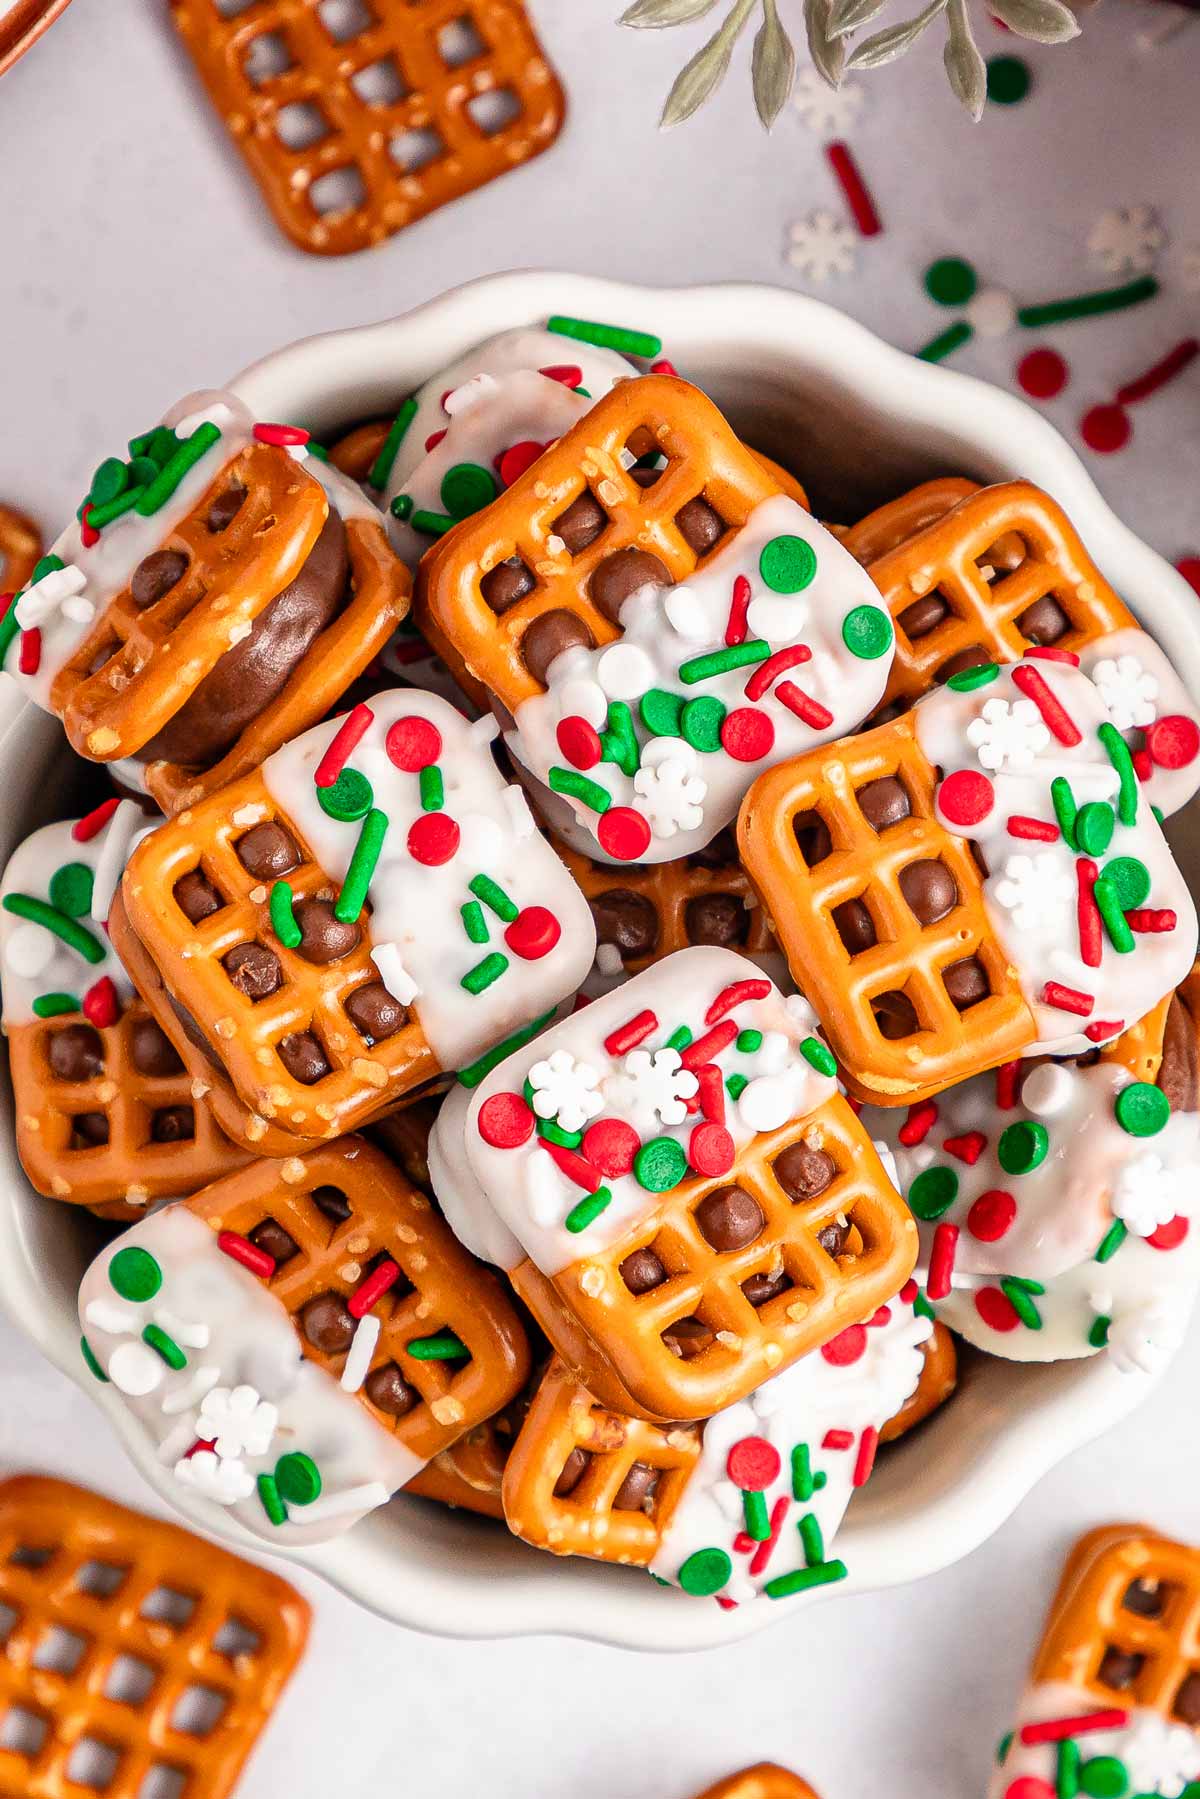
{"x": 1148, "y": 685}
{"x": 464, "y": 1204}
{"x": 1159, "y": 1754}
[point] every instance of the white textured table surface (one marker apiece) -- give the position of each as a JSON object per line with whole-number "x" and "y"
{"x": 137, "y": 263}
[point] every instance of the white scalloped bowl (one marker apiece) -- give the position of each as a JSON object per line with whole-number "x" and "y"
{"x": 858, "y": 421}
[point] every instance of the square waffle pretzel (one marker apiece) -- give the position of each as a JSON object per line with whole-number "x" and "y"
{"x": 442, "y": 1288}
{"x": 765, "y": 1781}
{"x": 117, "y": 1179}
{"x": 432, "y": 103}
{"x": 908, "y": 957}
{"x": 364, "y": 1080}
{"x": 564, "y": 1423}
{"x": 948, "y": 559}
{"x": 660, "y": 412}
{"x": 827, "y": 1291}
{"x": 897, "y": 520}
{"x": 20, "y": 541}
{"x": 136, "y": 1595}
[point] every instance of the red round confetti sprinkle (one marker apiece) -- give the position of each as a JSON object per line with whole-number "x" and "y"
{"x": 567, "y": 372}
{"x": 747, "y": 735}
{"x": 992, "y": 1215}
{"x": 1029, "y": 1786}
{"x": 1105, "y": 429}
{"x": 1042, "y": 374}
{"x": 610, "y": 1145}
{"x": 710, "y": 1149}
{"x": 579, "y": 741}
{"x": 844, "y": 1349}
{"x": 433, "y": 440}
{"x": 412, "y": 743}
{"x": 533, "y": 933}
{"x": 512, "y": 463}
{"x": 965, "y": 797}
{"x": 505, "y": 1121}
{"x": 623, "y": 833}
{"x": 752, "y": 1464}
{"x": 1173, "y": 741}
{"x": 1189, "y": 568}
{"x": 433, "y": 839}
{"x": 996, "y": 1309}
{"x": 1171, "y": 1234}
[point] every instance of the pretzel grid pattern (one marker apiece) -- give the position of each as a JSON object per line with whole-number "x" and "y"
{"x": 435, "y": 103}
{"x": 102, "y": 1175}
{"x": 766, "y": 1781}
{"x": 565, "y": 1417}
{"x": 20, "y": 539}
{"x": 897, "y": 520}
{"x": 51, "y": 1536}
{"x": 660, "y": 412}
{"x": 908, "y": 956}
{"x": 362, "y": 1080}
{"x": 442, "y": 1289}
{"x": 1088, "y": 1617}
{"x": 826, "y": 1294}
{"x": 949, "y": 557}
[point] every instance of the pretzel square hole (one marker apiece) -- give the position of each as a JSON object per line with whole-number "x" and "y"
{"x": 1044, "y": 621}
{"x": 31, "y": 1555}
{"x": 813, "y": 837}
{"x": 9, "y": 1619}
{"x": 768, "y": 1283}
{"x": 884, "y": 801}
{"x": 167, "y": 1605}
{"x": 130, "y": 1680}
{"x": 93, "y": 1763}
{"x": 855, "y": 922}
{"x": 579, "y": 525}
{"x": 163, "y": 1782}
{"x": 691, "y": 1337}
{"x": 344, "y": 19}
{"x": 1147, "y": 1597}
{"x": 22, "y": 1732}
{"x": 236, "y": 1639}
{"x": 301, "y": 124}
{"x": 173, "y": 1124}
{"x": 380, "y": 83}
{"x": 1120, "y": 1669}
{"x": 60, "y": 1650}
{"x": 720, "y": 918}
{"x": 494, "y": 110}
{"x": 197, "y": 896}
{"x": 198, "y": 1710}
{"x": 459, "y": 42}
{"x": 966, "y": 982}
{"x": 896, "y": 1015}
{"x": 267, "y": 55}
{"x": 415, "y": 149}
{"x": 338, "y": 190}
{"x": 1186, "y": 1704}
{"x": 506, "y": 583}
{"x": 100, "y": 1580}
{"x": 89, "y": 1130}
{"x": 701, "y": 526}
{"x": 109, "y": 646}
{"x": 923, "y": 615}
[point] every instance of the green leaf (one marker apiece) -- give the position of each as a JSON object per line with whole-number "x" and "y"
{"x": 851, "y": 15}
{"x": 891, "y": 43}
{"x": 656, "y": 14}
{"x": 774, "y": 66}
{"x": 1042, "y": 21}
{"x": 700, "y": 78}
{"x": 828, "y": 53}
{"x": 965, "y": 67}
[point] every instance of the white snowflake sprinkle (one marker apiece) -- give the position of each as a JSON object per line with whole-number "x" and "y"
{"x": 1146, "y": 1194}
{"x": 237, "y": 1421}
{"x": 654, "y": 1084}
{"x": 1159, "y": 1756}
{"x": 61, "y": 590}
{"x": 1128, "y": 690}
{"x": 1007, "y": 734}
{"x": 1126, "y": 240}
{"x": 821, "y": 245}
{"x": 224, "y": 1479}
{"x": 671, "y": 792}
{"x": 1139, "y": 1342}
{"x": 829, "y": 111}
{"x": 1034, "y": 888}
{"x": 566, "y": 1090}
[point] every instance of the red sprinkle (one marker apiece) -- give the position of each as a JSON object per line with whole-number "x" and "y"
{"x": 208, "y": 1443}
{"x": 663, "y": 367}
{"x": 282, "y": 435}
{"x": 1171, "y": 1234}
{"x": 354, "y": 726}
{"x": 433, "y": 839}
{"x": 775, "y": 665}
{"x": 240, "y": 1249}
{"x": 996, "y": 1309}
{"x": 909, "y": 1292}
{"x": 735, "y": 995}
{"x": 1172, "y": 364}
{"x": 1143, "y": 764}
{"x": 505, "y": 1121}
{"x": 1045, "y": 652}
{"x": 854, "y": 188}
{"x": 965, "y": 797}
{"x": 100, "y": 1005}
{"x": 712, "y": 1093}
{"x": 968, "y": 1148}
{"x": 434, "y": 439}
{"x": 779, "y": 1512}
{"x": 384, "y": 1275}
{"x": 1110, "y": 1027}
{"x": 725, "y": 1602}
{"x": 1087, "y": 912}
{"x": 1057, "y": 1730}
{"x": 579, "y": 741}
{"x": 710, "y": 1046}
{"x": 1008, "y": 1081}
{"x": 623, "y": 833}
{"x": 567, "y": 372}
{"x": 845, "y": 1349}
{"x": 1040, "y": 830}
{"x": 807, "y": 710}
{"x": 837, "y": 1439}
{"x": 1042, "y": 374}
{"x": 84, "y": 829}
{"x": 879, "y": 1318}
{"x": 572, "y": 1165}
{"x": 1027, "y": 1786}
{"x": 1173, "y": 741}
{"x": 533, "y": 933}
{"x": 610, "y": 1145}
{"x": 941, "y": 1260}
{"x": 30, "y": 659}
{"x": 920, "y": 1121}
{"x": 412, "y": 743}
{"x": 1067, "y": 999}
{"x": 628, "y": 1035}
{"x": 992, "y": 1216}
{"x": 1189, "y": 568}
{"x": 735, "y": 628}
{"x": 864, "y": 1462}
{"x": 1105, "y": 429}
{"x": 711, "y": 1149}
{"x": 518, "y": 457}
{"x": 1055, "y": 716}
{"x": 752, "y": 1464}
{"x": 1143, "y": 919}
{"x": 88, "y": 534}
{"x": 747, "y": 735}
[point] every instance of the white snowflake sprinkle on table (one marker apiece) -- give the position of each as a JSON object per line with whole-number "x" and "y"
{"x": 821, "y": 245}
{"x": 1126, "y": 240}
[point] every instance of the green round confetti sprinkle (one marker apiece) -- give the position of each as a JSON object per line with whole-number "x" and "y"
{"x": 660, "y": 1164}
{"x": 1103, "y": 1777}
{"x": 1094, "y": 826}
{"x": 705, "y": 1572}
{"x": 71, "y": 889}
{"x": 867, "y": 633}
{"x": 1023, "y": 1146}
{"x": 787, "y": 564}
{"x": 1141, "y": 1109}
{"x": 971, "y": 678}
{"x": 297, "y": 1478}
{"x": 661, "y": 712}
{"x": 89, "y": 1356}
{"x": 950, "y": 281}
{"x": 1131, "y": 880}
{"x": 109, "y": 480}
{"x": 351, "y": 796}
{"x": 142, "y": 470}
{"x": 1008, "y": 80}
{"x": 135, "y": 1274}
{"x": 402, "y": 507}
{"x": 933, "y": 1192}
{"x": 467, "y": 488}
{"x": 701, "y": 722}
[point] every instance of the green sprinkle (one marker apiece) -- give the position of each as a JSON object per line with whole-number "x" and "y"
{"x": 1112, "y": 1240}
{"x": 784, "y": 1585}
{"x": 110, "y": 479}
{"x": 402, "y": 507}
{"x": 701, "y": 722}
{"x": 350, "y": 797}
{"x": 1087, "y": 306}
{"x": 1003, "y": 1747}
{"x": 474, "y": 923}
{"x": 297, "y": 1478}
{"x": 736, "y": 1085}
{"x": 661, "y": 712}
{"x": 705, "y": 1572}
{"x": 433, "y": 792}
{"x": 748, "y": 1041}
{"x": 1008, "y": 80}
{"x": 381, "y": 468}
{"x": 578, "y": 787}
{"x": 619, "y": 742}
{"x": 679, "y": 1039}
{"x": 1141, "y": 1109}
{"x": 803, "y": 1486}
{"x": 9, "y": 628}
{"x": 660, "y": 1164}
{"x": 485, "y": 973}
{"x": 580, "y": 1216}
{"x": 754, "y": 1512}
{"x": 1104, "y": 1777}
{"x": 608, "y": 337}
{"x": 933, "y": 1192}
{"x": 283, "y": 918}
{"x": 1022, "y": 1147}
{"x": 474, "y": 1072}
{"x": 272, "y": 1504}
{"x": 1065, "y": 809}
{"x": 444, "y": 1347}
{"x": 818, "y": 1056}
{"x": 922, "y": 1307}
{"x": 48, "y": 565}
{"x": 867, "y": 633}
{"x": 172, "y": 473}
{"x": 1129, "y": 879}
{"x": 938, "y": 348}
{"x": 466, "y": 489}
{"x": 157, "y": 1339}
{"x": 1066, "y": 1785}
{"x": 813, "y": 1539}
{"x": 493, "y": 896}
{"x": 1098, "y": 1335}
{"x": 53, "y": 1005}
{"x": 432, "y": 524}
{"x": 554, "y": 1133}
{"x": 22, "y": 905}
{"x": 972, "y": 678}
{"x": 89, "y": 1357}
{"x": 1115, "y": 923}
{"x": 1118, "y": 754}
{"x": 719, "y": 662}
{"x": 787, "y": 564}
{"x": 351, "y": 900}
{"x": 100, "y": 516}
{"x": 950, "y": 281}
{"x": 142, "y": 469}
{"x": 157, "y": 446}
{"x": 1160, "y": 820}
{"x": 1022, "y": 1303}
{"x": 1094, "y": 827}
{"x": 135, "y": 1274}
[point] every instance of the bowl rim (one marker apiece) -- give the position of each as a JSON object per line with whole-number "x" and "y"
{"x": 954, "y": 415}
